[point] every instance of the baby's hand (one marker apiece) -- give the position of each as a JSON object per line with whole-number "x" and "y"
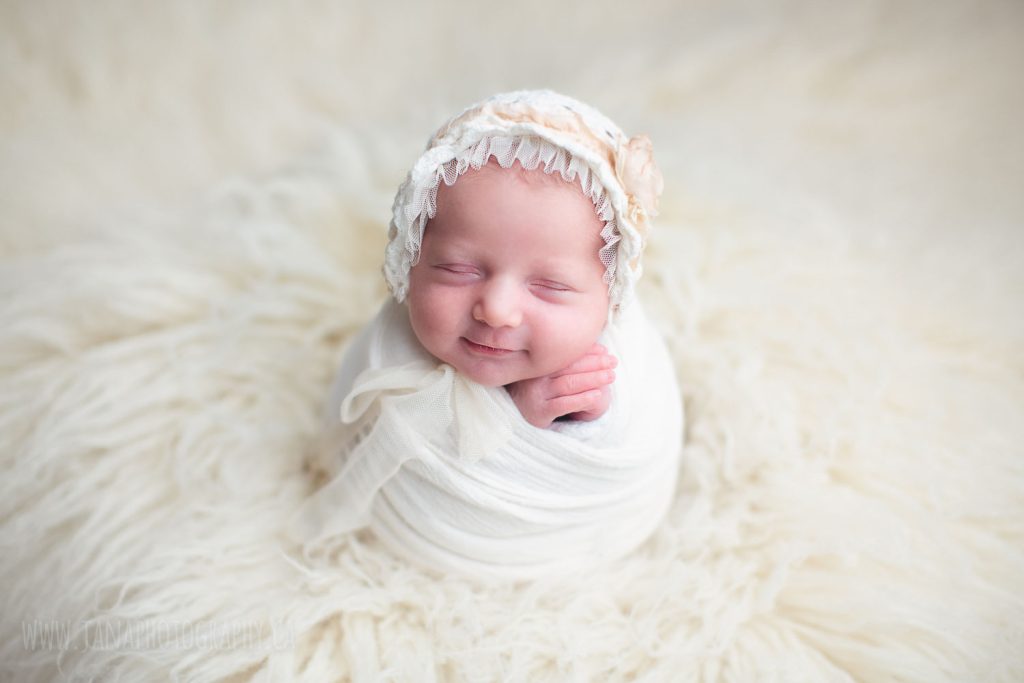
{"x": 580, "y": 391}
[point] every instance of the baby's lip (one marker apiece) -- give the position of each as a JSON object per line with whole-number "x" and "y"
{"x": 488, "y": 349}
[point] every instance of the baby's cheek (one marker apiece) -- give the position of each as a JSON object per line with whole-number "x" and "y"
{"x": 436, "y": 317}
{"x": 564, "y": 342}
{"x": 425, "y": 315}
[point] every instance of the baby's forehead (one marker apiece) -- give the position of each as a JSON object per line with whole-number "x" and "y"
{"x": 456, "y": 240}
{"x": 526, "y": 210}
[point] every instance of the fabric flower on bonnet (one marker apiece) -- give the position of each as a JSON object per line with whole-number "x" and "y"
{"x": 641, "y": 178}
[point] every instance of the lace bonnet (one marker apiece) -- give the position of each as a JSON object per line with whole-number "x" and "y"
{"x": 539, "y": 128}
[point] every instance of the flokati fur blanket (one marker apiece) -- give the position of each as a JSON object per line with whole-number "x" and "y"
{"x": 192, "y": 209}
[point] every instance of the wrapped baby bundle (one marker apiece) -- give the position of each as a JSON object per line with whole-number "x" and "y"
{"x": 447, "y": 472}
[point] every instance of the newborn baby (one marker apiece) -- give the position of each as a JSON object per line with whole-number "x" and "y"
{"x": 510, "y": 412}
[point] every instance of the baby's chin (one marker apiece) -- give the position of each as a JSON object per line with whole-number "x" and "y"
{"x": 490, "y": 376}
{"x": 496, "y": 373}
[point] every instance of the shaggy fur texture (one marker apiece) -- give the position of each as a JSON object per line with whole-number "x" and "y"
{"x": 192, "y": 210}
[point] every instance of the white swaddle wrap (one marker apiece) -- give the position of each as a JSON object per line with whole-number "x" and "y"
{"x": 448, "y": 474}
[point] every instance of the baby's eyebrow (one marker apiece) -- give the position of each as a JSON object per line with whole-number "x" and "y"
{"x": 563, "y": 271}
{"x": 453, "y": 253}
{"x": 444, "y": 243}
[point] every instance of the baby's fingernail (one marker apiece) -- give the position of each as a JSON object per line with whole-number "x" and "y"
{"x": 611, "y": 361}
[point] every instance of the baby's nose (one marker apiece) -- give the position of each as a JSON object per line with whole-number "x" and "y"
{"x": 499, "y": 306}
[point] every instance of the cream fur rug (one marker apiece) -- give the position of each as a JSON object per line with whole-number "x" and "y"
{"x": 192, "y": 209}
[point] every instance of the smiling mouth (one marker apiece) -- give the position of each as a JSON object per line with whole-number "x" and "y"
{"x": 484, "y": 350}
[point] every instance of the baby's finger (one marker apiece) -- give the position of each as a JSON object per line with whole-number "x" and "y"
{"x": 589, "y": 363}
{"x": 576, "y": 383}
{"x": 576, "y": 403}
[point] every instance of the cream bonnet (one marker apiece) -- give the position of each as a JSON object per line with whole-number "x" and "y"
{"x": 539, "y": 128}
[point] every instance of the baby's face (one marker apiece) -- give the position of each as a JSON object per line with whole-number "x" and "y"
{"x": 509, "y": 284}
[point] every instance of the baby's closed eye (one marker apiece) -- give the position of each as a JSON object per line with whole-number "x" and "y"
{"x": 457, "y": 270}
{"x": 552, "y": 285}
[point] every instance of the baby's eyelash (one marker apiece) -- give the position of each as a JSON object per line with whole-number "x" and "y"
{"x": 457, "y": 268}
{"x": 555, "y": 286}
